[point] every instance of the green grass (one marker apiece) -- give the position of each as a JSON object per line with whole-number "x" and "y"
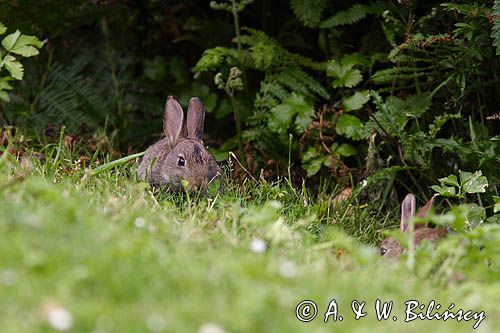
{"x": 120, "y": 258}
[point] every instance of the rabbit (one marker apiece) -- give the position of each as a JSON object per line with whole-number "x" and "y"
{"x": 391, "y": 248}
{"x": 181, "y": 154}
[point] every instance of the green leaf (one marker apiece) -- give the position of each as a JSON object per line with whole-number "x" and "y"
{"x": 27, "y": 46}
{"x": 9, "y": 41}
{"x": 450, "y": 180}
{"x": 356, "y": 101}
{"x": 445, "y": 191}
{"x": 308, "y": 12}
{"x": 280, "y": 118}
{"x": 351, "y": 78}
{"x": 473, "y": 182}
{"x": 3, "y": 28}
{"x": 211, "y": 59}
{"x": 343, "y": 73}
{"x": 4, "y": 96}
{"x": 4, "y": 83}
{"x": 14, "y": 67}
{"x": 476, "y": 215}
{"x": 496, "y": 207}
{"x": 294, "y": 105}
{"x": 314, "y": 166}
{"x": 349, "y": 126}
{"x": 394, "y": 113}
{"x": 346, "y": 150}
{"x": 311, "y": 162}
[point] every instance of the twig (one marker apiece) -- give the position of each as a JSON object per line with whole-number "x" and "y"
{"x": 241, "y": 165}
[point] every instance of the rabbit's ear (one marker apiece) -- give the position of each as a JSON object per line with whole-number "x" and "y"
{"x": 195, "y": 119}
{"x": 172, "y": 120}
{"x": 407, "y": 211}
{"x": 423, "y": 211}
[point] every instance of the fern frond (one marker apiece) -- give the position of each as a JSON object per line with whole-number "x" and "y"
{"x": 355, "y": 14}
{"x": 495, "y": 30}
{"x": 308, "y": 12}
{"x": 211, "y": 59}
{"x": 296, "y": 75}
{"x": 399, "y": 74}
{"x": 71, "y": 98}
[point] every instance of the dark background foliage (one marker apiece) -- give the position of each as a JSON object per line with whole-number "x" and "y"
{"x": 342, "y": 90}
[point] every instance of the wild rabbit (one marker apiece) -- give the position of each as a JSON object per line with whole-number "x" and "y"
{"x": 181, "y": 154}
{"x": 391, "y": 248}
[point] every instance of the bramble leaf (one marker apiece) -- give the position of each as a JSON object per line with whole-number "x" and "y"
{"x": 496, "y": 207}
{"x": 294, "y": 105}
{"x": 356, "y": 101}
{"x": 343, "y": 73}
{"x": 445, "y": 191}
{"x": 450, "y": 180}
{"x": 346, "y": 150}
{"x": 349, "y": 126}
{"x": 473, "y": 182}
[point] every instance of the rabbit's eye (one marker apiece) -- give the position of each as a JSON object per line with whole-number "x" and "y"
{"x": 181, "y": 162}
{"x": 383, "y": 251}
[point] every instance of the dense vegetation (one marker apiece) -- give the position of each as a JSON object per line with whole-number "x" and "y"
{"x": 334, "y": 111}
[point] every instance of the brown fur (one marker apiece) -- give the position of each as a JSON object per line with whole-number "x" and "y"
{"x": 160, "y": 165}
{"x": 391, "y": 248}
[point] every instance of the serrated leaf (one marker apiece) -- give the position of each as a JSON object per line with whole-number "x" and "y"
{"x": 349, "y": 126}
{"x": 445, "y": 191}
{"x": 27, "y": 46}
{"x": 294, "y": 105}
{"x": 475, "y": 215}
{"x": 4, "y": 96}
{"x": 343, "y": 73}
{"x": 496, "y": 207}
{"x": 346, "y": 150}
{"x": 394, "y": 113}
{"x": 280, "y": 118}
{"x": 308, "y": 12}
{"x": 356, "y": 101}
{"x": 352, "y": 78}
{"x": 473, "y": 182}
{"x": 450, "y": 180}
{"x": 309, "y": 154}
{"x": 314, "y": 166}
{"x": 14, "y": 67}
{"x": 3, "y": 28}
{"x": 10, "y": 40}
{"x": 4, "y": 83}
{"x": 312, "y": 162}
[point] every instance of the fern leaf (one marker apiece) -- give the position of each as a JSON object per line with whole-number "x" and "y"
{"x": 211, "y": 59}
{"x": 495, "y": 30}
{"x": 399, "y": 74}
{"x": 354, "y": 14}
{"x": 308, "y": 12}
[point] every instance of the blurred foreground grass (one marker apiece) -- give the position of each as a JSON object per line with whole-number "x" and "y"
{"x": 104, "y": 254}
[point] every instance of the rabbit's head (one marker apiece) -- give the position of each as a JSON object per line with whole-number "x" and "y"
{"x": 390, "y": 247}
{"x": 188, "y": 159}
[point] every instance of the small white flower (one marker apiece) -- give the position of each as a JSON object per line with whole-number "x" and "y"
{"x": 364, "y": 183}
{"x": 211, "y": 328}
{"x": 258, "y": 245}
{"x": 288, "y": 269}
{"x": 140, "y": 222}
{"x": 60, "y": 319}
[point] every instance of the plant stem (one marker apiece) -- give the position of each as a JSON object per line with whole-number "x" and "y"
{"x": 238, "y": 126}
